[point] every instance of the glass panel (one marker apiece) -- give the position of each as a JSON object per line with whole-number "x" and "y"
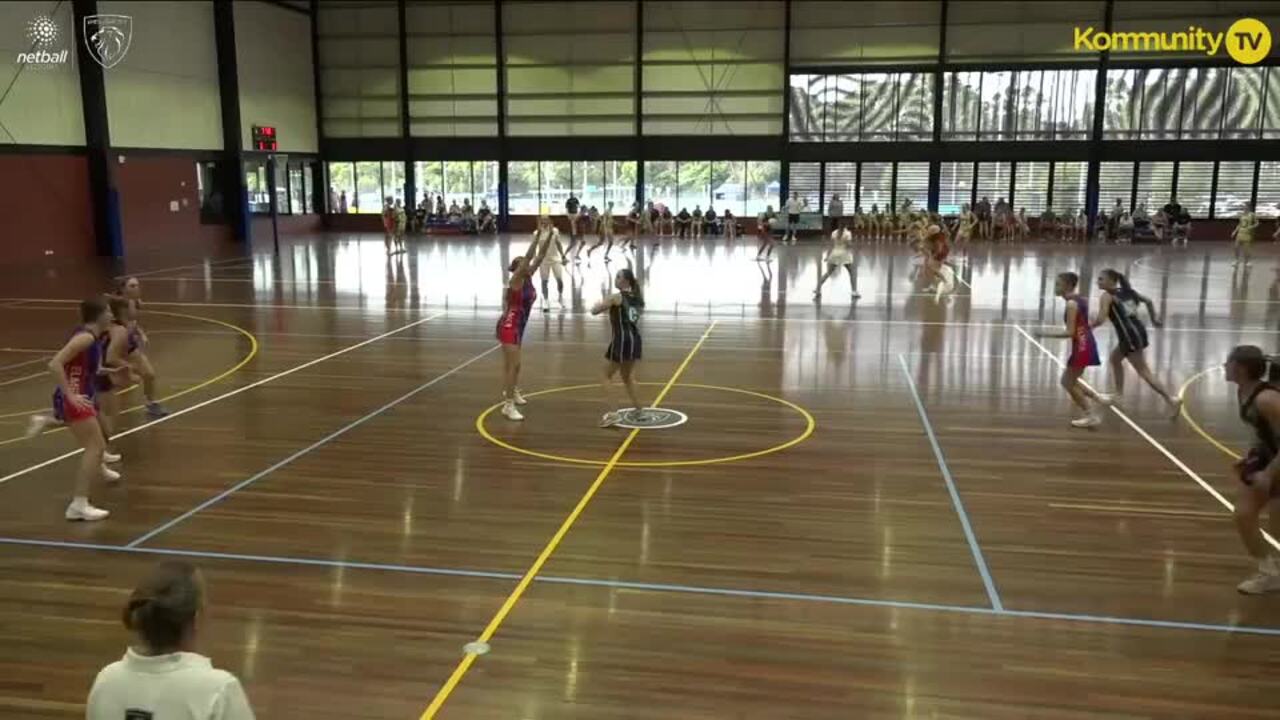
{"x": 457, "y": 183}
{"x": 694, "y": 190}
{"x": 915, "y": 106}
{"x": 1031, "y": 187}
{"x": 1069, "y": 180}
{"x": 342, "y": 186}
{"x": 1115, "y": 186}
{"x": 660, "y": 183}
{"x": 1195, "y": 182}
{"x": 1202, "y": 104}
{"x": 879, "y": 106}
{"x": 255, "y": 181}
{"x": 764, "y": 183}
{"x": 369, "y": 197}
{"x": 620, "y": 182}
{"x": 807, "y": 111}
{"x": 1235, "y": 185}
{"x": 522, "y": 188}
{"x": 997, "y": 87}
{"x": 726, "y": 187}
{"x": 843, "y": 120}
{"x": 913, "y": 185}
{"x": 960, "y": 106}
{"x": 1155, "y": 184}
{"x": 1161, "y": 104}
{"x": 484, "y": 177}
{"x": 1271, "y": 116}
{"x": 875, "y": 185}
{"x": 804, "y": 179}
{"x": 296, "y": 191}
{"x": 1123, "y": 103}
{"x": 955, "y": 186}
{"x": 554, "y": 185}
{"x": 1269, "y": 189}
{"x": 308, "y": 188}
{"x": 1243, "y": 111}
{"x": 841, "y": 179}
{"x": 428, "y": 176}
{"x": 993, "y": 182}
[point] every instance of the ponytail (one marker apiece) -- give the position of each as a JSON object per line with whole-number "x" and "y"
{"x": 637, "y": 296}
{"x": 1119, "y": 279}
{"x": 1256, "y": 364}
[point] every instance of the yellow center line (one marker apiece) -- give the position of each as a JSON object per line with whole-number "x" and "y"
{"x": 470, "y": 657}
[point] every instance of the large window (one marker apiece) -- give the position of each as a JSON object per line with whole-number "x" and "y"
{"x": 805, "y": 179}
{"x": 955, "y": 187}
{"x": 1269, "y": 189}
{"x": 912, "y": 184}
{"x": 1069, "y": 181}
{"x": 369, "y": 195}
{"x": 875, "y": 186}
{"x": 1155, "y": 184}
{"x": 1154, "y": 103}
{"x": 842, "y": 179}
{"x": 537, "y": 187}
{"x": 1031, "y": 187}
{"x": 743, "y": 187}
{"x": 457, "y": 180}
{"x": 1195, "y": 183}
{"x": 522, "y": 187}
{"x": 1018, "y": 104}
{"x": 296, "y": 190}
{"x": 993, "y": 181}
{"x": 1235, "y": 187}
{"x": 1115, "y": 182}
{"x": 342, "y": 186}
{"x": 862, "y": 107}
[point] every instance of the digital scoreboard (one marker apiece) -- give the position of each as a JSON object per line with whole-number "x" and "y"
{"x": 264, "y": 138}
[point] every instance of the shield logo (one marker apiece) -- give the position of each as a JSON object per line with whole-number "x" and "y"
{"x": 107, "y": 38}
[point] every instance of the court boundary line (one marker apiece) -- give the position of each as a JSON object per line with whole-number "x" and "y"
{"x": 205, "y": 263}
{"x": 169, "y": 525}
{"x": 218, "y": 398}
{"x": 473, "y": 650}
{"x": 1191, "y": 421}
{"x": 1177, "y": 462}
{"x": 651, "y": 587}
{"x": 974, "y": 548}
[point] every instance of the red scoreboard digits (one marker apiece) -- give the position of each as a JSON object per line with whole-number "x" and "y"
{"x": 264, "y": 138}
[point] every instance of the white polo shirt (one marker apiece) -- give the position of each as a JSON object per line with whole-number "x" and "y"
{"x": 178, "y": 686}
{"x": 794, "y": 206}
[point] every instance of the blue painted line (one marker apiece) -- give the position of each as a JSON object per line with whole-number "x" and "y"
{"x": 978, "y": 559}
{"x": 322, "y": 441}
{"x": 653, "y": 587}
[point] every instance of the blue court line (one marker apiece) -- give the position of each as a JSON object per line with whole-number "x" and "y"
{"x": 340, "y": 431}
{"x": 951, "y": 489}
{"x": 655, "y": 587}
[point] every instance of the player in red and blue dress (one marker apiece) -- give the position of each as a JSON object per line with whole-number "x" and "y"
{"x": 1083, "y": 353}
{"x": 75, "y": 368}
{"x": 517, "y": 304}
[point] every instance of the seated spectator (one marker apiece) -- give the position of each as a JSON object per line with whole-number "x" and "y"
{"x": 455, "y": 212}
{"x": 161, "y": 676}
{"x": 730, "y": 224}
{"x": 683, "y": 222}
{"x": 712, "y": 222}
{"x": 439, "y": 215}
{"x": 485, "y": 220}
{"x": 1124, "y": 226}
{"x": 668, "y": 225}
{"x": 468, "y": 216}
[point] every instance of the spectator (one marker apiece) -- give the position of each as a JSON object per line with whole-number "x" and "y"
{"x": 161, "y": 676}
{"x": 468, "y": 216}
{"x": 667, "y": 225}
{"x": 835, "y": 211}
{"x": 697, "y": 223}
{"x": 333, "y": 200}
{"x": 440, "y": 214}
{"x": 682, "y": 222}
{"x": 571, "y": 214}
{"x": 342, "y": 203}
{"x": 713, "y": 228}
{"x": 730, "y": 225}
{"x": 794, "y": 207}
{"x": 485, "y": 222}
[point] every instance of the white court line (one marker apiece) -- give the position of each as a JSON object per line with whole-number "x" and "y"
{"x": 1154, "y": 443}
{"x": 24, "y": 378}
{"x": 226, "y": 261}
{"x": 224, "y": 396}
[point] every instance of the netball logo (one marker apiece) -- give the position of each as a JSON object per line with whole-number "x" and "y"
{"x": 43, "y": 33}
{"x": 107, "y": 38}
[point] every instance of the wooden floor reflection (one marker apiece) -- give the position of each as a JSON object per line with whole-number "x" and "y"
{"x": 358, "y": 530}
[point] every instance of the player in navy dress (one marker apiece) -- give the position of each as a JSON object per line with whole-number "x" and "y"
{"x": 131, "y": 290}
{"x": 625, "y": 347}
{"x": 1257, "y": 379}
{"x": 1083, "y": 353}
{"x": 1122, "y": 305}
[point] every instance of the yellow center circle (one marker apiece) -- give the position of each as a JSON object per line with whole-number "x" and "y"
{"x": 810, "y": 424}
{"x": 1248, "y": 41}
{"x": 1186, "y": 414}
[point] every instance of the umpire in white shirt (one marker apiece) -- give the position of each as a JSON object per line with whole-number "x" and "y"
{"x": 160, "y": 677}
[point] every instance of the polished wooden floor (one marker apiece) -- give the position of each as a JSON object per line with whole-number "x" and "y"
{"x": 357, "y": 530}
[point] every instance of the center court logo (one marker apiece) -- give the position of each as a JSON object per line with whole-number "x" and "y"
{"x": 1247, "y": 41}
{"x": 43, "y": 34}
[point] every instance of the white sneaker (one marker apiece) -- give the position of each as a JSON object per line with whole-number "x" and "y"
{"x": 1088, "y": 421}
{"x": 510, "y": 412}
{"x": 1265, "y": 580}
{"x": 610, "y": 419}
{"x": 37, "y": 424}
{"x": 518, "y": 398}
{"x": 111, "y": 458}
{"x": 110, "y": 475}
{"x": 84, "y": 511}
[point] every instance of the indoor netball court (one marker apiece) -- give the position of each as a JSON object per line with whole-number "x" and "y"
{"x": 865, "y": 504}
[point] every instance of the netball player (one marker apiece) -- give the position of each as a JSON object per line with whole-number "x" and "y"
{"x": 75, "y": 369}
{"x": 1243, "y": 236}
{"x": 730, "y": 226}
{"x": 118, "y": 344}
{"x": 1121, "y": 304}
{"x": 131, "y": 290}
{"x": 965, "y": 226}
{"x": 634, "y": 219}
{"x": 624, "y": 349}
{"x": 1255, "y": 375}
{"x": 938, "y": 250}
{"x": 840, "y": 255}
{"x": 764, "y": 233}
{"x": 517, "y": 302}
{"x": 1084, "y": 350}
{"x": 605, "y": 228}
{"x": 547, "y": 238}
{"x": 388, "y": 223}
